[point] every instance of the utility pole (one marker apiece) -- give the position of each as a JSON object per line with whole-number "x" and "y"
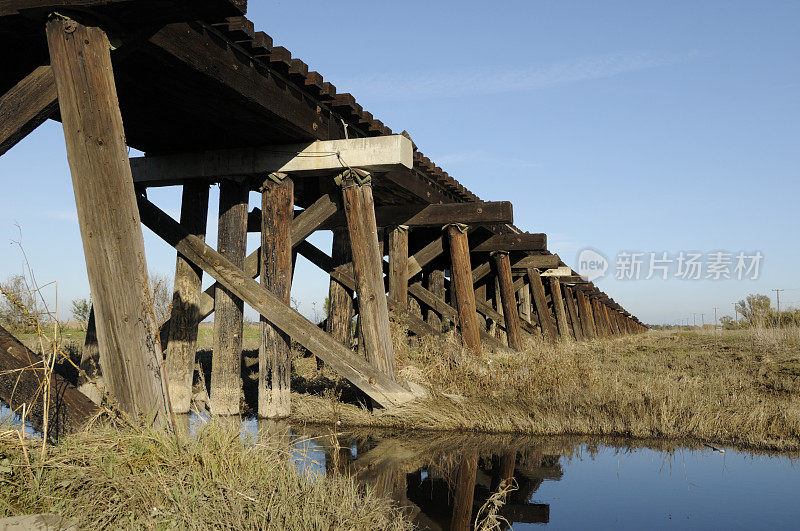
{"x": 702, "y": 320}
{"x": 735, "y": 314}
{"x": 694, "y": 320}
{"x": 778, "y": 297}
{"x": 715, "y": 318}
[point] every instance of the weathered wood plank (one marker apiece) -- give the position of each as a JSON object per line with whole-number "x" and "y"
{"x": 377, "y": 154}
{"x": 461, "y": 281}
{"x": 226, "y": 365}
{"x": 27, "y": 106}
{"x": 368, "y": 267}
{"x": 438, "y": 215}
{"x": 171, "y": 12}
{"x": 184, "y": 317}
{"x": 374, "y": 383}
{"x": 108, "y": 218}
{"x": 275, "y": 349}
{"x": 513, "y": 242}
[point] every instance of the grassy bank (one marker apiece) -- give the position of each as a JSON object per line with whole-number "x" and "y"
{"x": 110, "y": 478}
{"x": 738, "y": 388}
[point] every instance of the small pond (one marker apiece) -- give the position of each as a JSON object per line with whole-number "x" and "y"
{"x": 442, "y": 480}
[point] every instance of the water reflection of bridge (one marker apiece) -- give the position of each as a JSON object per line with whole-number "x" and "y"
{"x": 441, "y": 482}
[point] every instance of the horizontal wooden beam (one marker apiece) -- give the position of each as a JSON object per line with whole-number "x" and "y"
{"x": 371, "y": 381}
{"x": 568, "y": 279}
{"x": 514, "y": 242}
{"x": 26, "y": 106}
{"x": 374, "y": 154}
{"x": 437, "y": 215}
{"x": 174, "y": 11}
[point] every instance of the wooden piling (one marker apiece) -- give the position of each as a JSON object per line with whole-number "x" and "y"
{"x": 274, "y": 353}
{"x": 524, "y": 296}
{"x": 574, "y": 314}
{"x": 434, "y": 282}
{"x": 226, "y": 366}
{"x": 539, "y": 300}
{"x": 398, "y": 265}
{"x": 461, "y": 283}
{"x": 108, "y": 218}
{"x": 368, "y": 267}
{"x": 340, "y": 299}
{"x": 587, "y": 322}
{"x": 503, "y": 271}
{"x": 185, "y": 315}
{"x": 558, "y": 306}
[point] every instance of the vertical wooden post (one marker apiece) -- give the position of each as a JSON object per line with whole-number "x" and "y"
{"x": 574, "y": 315}
{"x": 558, "y": 306}
{"x": 599, "y": 325}
{"x": 185, "y": 317}
{"x": 434, "y": 281}
{"x": 226, "y": 366}
{"x": 108, "y": 217}
{"x": 398, "y": 265}
{"x": 604, "y": 318}
{"x": 481, "y": 295}
{"x": 502, "y": 267}
{"x": 524, "y": 295}
{"x": 340, "y": 299}
{"x": 465, "y": 492}
{"x": 539, "y": 300}
{"x": 368, "y": 267}
{"x": 275, "y": 350}
{"x": 499, "y": 333}
{"x": 461, "y": 282}
{"x": 586, "y": 315}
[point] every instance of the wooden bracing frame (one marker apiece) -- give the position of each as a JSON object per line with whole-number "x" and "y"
{"x": 504, "y": 287}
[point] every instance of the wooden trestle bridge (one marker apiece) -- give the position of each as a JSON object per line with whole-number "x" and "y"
{"x": 210, "y": 100}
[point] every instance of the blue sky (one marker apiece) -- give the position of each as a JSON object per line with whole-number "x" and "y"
{"x": 620, "y": 126}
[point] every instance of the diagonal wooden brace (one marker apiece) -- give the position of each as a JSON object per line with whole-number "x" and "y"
{"x": 375, "y": 384}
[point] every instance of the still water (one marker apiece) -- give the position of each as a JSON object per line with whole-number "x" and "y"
{"x": 442, "y": 480}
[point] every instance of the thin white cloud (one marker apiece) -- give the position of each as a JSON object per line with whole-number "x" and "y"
{"x": 505, "y": 78}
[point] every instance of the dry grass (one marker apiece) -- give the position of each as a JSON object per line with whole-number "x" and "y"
{"x": 110, "y": 478}
{"x": 737, "y": 388}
